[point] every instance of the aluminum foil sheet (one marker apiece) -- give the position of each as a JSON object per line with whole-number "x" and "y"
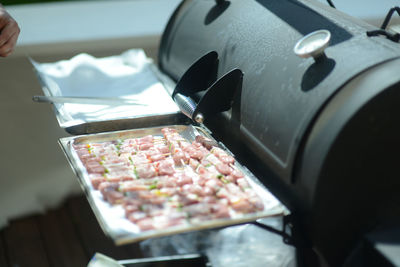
{"x": 131, "y": 76}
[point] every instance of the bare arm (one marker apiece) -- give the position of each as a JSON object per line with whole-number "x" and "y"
{"x": 9, "y": 32}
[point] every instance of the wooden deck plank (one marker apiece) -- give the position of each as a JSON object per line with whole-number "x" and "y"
{"x": 67, "y": 236}
{"x": 61, "y": 242}
{"x": 92, "y": 236}
{"x": 24, "y": 244}
{"x": 3, "y": 251}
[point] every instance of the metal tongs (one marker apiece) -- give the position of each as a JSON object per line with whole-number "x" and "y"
{"x": 86, "y": 100}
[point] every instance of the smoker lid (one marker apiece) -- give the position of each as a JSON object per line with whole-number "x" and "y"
{"x": 281, "y": 93}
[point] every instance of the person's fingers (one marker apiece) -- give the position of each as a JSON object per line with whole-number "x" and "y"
{"x": 9, "y": 32}
{"x": 4, "y": 17}
{"x": 6, "y": 34}
{"x": 6, "y": 54}
{"x": 8, "y": 48}
{"x": 5, "y": 51}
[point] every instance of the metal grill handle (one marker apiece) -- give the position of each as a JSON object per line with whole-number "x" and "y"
{"x": 185, "y": 104}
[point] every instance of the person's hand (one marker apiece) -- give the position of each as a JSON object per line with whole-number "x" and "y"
{"x": 9, "y": 32}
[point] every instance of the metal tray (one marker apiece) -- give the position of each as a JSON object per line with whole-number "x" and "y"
{"x": 130, "y": 75}
{"x": 112, "y": 217}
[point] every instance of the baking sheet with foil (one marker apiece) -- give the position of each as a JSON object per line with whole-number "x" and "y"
{"x": 130, "y": 75}
{"x": 112, "y": 217}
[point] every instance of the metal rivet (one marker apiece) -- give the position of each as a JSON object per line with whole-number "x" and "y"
{"x": 199, "y": 118}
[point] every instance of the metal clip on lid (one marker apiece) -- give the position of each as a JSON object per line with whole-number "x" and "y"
{"x": 197, "y": 97}
{"x": 200, "y": 76}
{"x": 313, "y": 45}
{"x": 393, "y": 36}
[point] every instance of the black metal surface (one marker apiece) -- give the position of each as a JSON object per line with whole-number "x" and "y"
{"x": 389, "y": 16}
{"x": 395, "y": 37}
{"x": 348, "y": 171}
{"x": 199, "y": 93}
{"x": 219, "y": 96}
{"x": 331, "y": 3}
{"x": 193, "y": 260}
{"x": 199, "y": 76}
{"x": 322, "y": 136}
{"x": 281, "y": 92}
{"x": 380, "y": 247}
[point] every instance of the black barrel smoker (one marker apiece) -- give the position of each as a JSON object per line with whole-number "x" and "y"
{"x": 321, "y": 132}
